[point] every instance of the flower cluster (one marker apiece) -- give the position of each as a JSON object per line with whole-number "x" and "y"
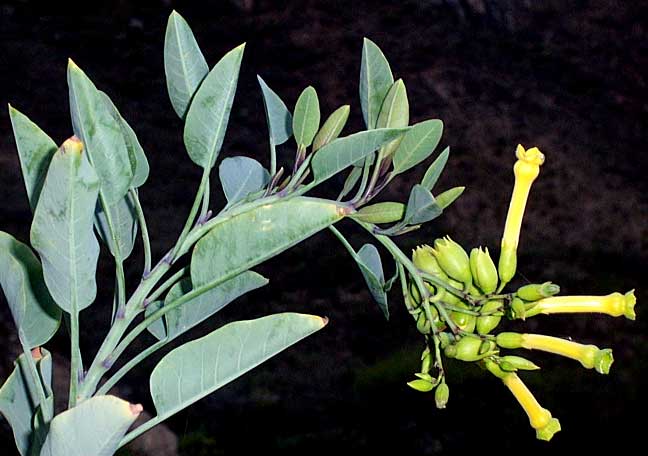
{"x": 458, "y": 301}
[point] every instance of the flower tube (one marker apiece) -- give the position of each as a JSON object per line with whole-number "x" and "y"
{"x": 614, "y": 304}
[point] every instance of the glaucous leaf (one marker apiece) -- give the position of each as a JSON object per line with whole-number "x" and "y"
{"x": 375, "y": 81}
{"x": 350, "y": 182}
{"x": 61, "y": 231}
{"x": 101, "y": 134}
{"x": 332, "y": 127}
{"x": 368, "y": 260}
{"x": 184, "y": 64}
{"x": 241, "y": 176}
{"x": 210, "y": 109}
{"x": 35, "y": 150}
{"x": 394, "y": 113}
{"x": 417, "y": 144}
{"x": 197, "y": 310}
{"x": 124, "y": 220}
{"x": 421, "y": 206}
{"x": 245, "y": 240}
{"x": 19, "y": 402}
{"x": 386, "y": 212}
{"x": 200, "y": 367}
{"x": 94, "y": 427}
{"x": 446, "y": 198}
{"x": 344, "y": 152}
{"x": 436, "y": 168}
{"x": 277, "y": 114}
{"x": 35, "y": 314}
{"x": 306, "y": 118}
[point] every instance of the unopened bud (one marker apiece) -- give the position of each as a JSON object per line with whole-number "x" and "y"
{"x": 534, "y": 291}
{"x": 454, "y": 260}
{"x": 513, "y": 363}
{"x": 483, "y": 270}
{"x": 509, "y": 340}
{"x": 467, "y": 349}
{"x": 441, "y": 395}
{"x": 518, "y": 309}
{"x": 423, "y": 258}
{"x": 486, "y": 323}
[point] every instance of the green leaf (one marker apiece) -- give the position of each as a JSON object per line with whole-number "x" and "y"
{"x": 196, "y": 310}
{"x": 421, "y": 206}
{"x": 245, "y": 240}
{"x": 332, "y": 127}
{"x": 446, "y": 198}
{"x": 19, "y": 402}
{"x": 94, "y": 427}
{"x": 124, "y": 220}
{"x": 306, "y": 118}
{"x": 368, "y": 260}
{"x": 386, "y": 212}
{"x": 101, "y": 134}
{"x": 394, "y": 112}
{"x": 350, "y": 182}
{"x": 421, "y": 385}
{"x": 277, "y": 114}
{"x": 136, "y": 155}
{"x": 200, "y": 367}
{"x": 241, "y": 176}
{"x": 36, "y": 315}
{"x": 209, "y": 112}
{"x": 436, "y": 168}
{"x": 417, "y": 144}
{"x": 375, "y": 81}
{"x": 184, "y": 65}
{"x": 62, "y": 231}
{"x": 344, "y": 152}
{"x": 35, "y": 150}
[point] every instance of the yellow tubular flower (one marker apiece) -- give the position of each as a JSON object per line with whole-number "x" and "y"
{"x": 614, "y": 304}
{"x": 590, "y": 356}
{"x": 526, "y": 169}
{"x": 540, "y": 418}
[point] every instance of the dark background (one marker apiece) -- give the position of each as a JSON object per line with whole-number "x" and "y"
{"x": 568, "y": 76}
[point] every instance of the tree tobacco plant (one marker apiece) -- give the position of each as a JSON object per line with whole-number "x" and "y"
{"x": 85, "y": 193}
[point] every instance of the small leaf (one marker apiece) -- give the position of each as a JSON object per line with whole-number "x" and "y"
{"x": 196, "y": 310}
{"x": 35, "y": 314}
{"x": 184, "y": 64}
{"x": 124, "y": 220}
{"x": 19, "y": 402}
{"x": 394, "y": 112}
{"x": 62, "y": 232}
{"x": 209, "y": 112}
{"x": 35, "y": 150}
{"x": 375, "y": 81}
{"x": 368, "y": 260}
{"x": 277, "y": 114}
{"x": 306, "y": 118}
{"x": 200, "y": 367}
{"x": 344, "y": 152}
{"x": 350, "y": 182}
{"x": 421, "y": 385}
{"x": 417, "y": 144}
{"x": 94, "y": 427}
{"x": 241, "y": 176}
{"x": 446, "y": 198}
{"x": 332, "y": 127}
{"x": 101, "y": 134}
{"x": 387, "y": 212}
{"x": 421, "y": 206}
{"x": 256, "y": 235}
{"x": 436, "y": 168}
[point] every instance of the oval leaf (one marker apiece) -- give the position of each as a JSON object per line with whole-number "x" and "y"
{"x": 62, "y": 231}
{"x": 36, "y": 315}
{"x": 350, "y": 182}
{"x": 184, "y": 64}
{"x": 436, "y": 168}
{"x": 421, "y": 206}
{"x": 375, "y": 80}
{"x": 245, "y": 240}
{"x": 372, "y": 270}
{"x": 195, "y": 311}
{"x": 35, "y": 150}
{"x": 387, "y": 212}
{"x": 277, "y": 114}
{"x": 101, "y": 134}
{"x": 344, "y": 152}
{"x": 332, "y": 127}
{"x": 124, "y": 220}
{"x": 394, "y": 112}
{"x": 241, "y": 176}
{"x": 94, "y": 427}
{"x": 417, "y": 144}
{"x": 306, "y": 119}
{"x": 200, "y": 367}
{"x": 209, "y": 112}
{"x": 446, "y": 198}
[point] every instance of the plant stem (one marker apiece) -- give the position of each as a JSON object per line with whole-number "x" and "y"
{"x": 139, "y": 430}
{"x": 167, "y": 284}
{"x": 76, "y": 365}
{"x": 192, "y": 213}
{"x": 273, "y": 158}
{"x": 144, "y": 230}
{"x": 363, "y": 183}
{"x": 344, "y": 241}
{"x": 446, "y": 286}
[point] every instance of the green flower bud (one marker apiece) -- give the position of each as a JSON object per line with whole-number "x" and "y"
{"x": 414, "y": 292}
{"x": 487, "y": 346}
{"x": 509, "y": 340}
{"x": 467, "y": 349}
{"x": 518, "y": 309}
{"x": 422, "y": 324}
{"x": 423, "y": 258}
{"x": 421, "y": 385}
{"x": 452, "y": 298}
{"x": 426, "y": 361}
{"x": 483, "y": 270}
{"x": 534, "y": 291}
{"x": 487, "y": 323}
{"x": 513, "y": 363}
{"x": 494, "y": 368}
{"x": 441, "y": 395}
{"x": 464, "y": 321}
{"x": 507, "y": 264}
{"x": 454, "y": 260}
